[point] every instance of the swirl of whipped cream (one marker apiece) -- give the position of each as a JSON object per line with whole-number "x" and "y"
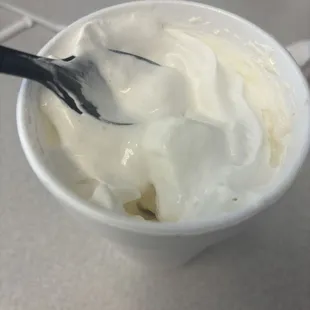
{"x": 212, "y": 120}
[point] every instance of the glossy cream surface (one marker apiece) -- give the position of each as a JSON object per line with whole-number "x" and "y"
{"x": 212, "y": 124}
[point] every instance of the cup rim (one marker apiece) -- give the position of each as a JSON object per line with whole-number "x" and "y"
{"x": 195, "y": 227}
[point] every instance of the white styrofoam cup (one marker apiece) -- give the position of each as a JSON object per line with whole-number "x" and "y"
{"x": 167, "y": 244}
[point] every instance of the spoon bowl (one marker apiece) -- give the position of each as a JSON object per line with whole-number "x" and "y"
{"x": 75, "y": 80}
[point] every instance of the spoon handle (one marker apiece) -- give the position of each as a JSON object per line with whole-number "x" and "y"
{"x": 21, "y": 64}
{"x": 39, "y": 69}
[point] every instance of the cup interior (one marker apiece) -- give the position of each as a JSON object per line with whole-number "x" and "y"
{"x": 57, "y": 173}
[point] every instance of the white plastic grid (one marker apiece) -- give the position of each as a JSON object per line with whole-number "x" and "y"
{"x": 26, "y": 21}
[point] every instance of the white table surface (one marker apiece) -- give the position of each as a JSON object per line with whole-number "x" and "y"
{"x": 48, "y": 261}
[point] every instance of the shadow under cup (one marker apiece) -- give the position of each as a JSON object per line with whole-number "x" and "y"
{"x": 163, "y": 244}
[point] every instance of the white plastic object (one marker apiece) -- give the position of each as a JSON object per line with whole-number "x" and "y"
{"x": 15, "y": 28}
{"x": 35, "y": 18}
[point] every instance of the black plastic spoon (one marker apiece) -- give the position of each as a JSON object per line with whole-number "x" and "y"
{"x": 75, "y": 80}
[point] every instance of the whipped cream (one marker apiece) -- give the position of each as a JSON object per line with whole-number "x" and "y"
{"x": 211, "y": 120}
